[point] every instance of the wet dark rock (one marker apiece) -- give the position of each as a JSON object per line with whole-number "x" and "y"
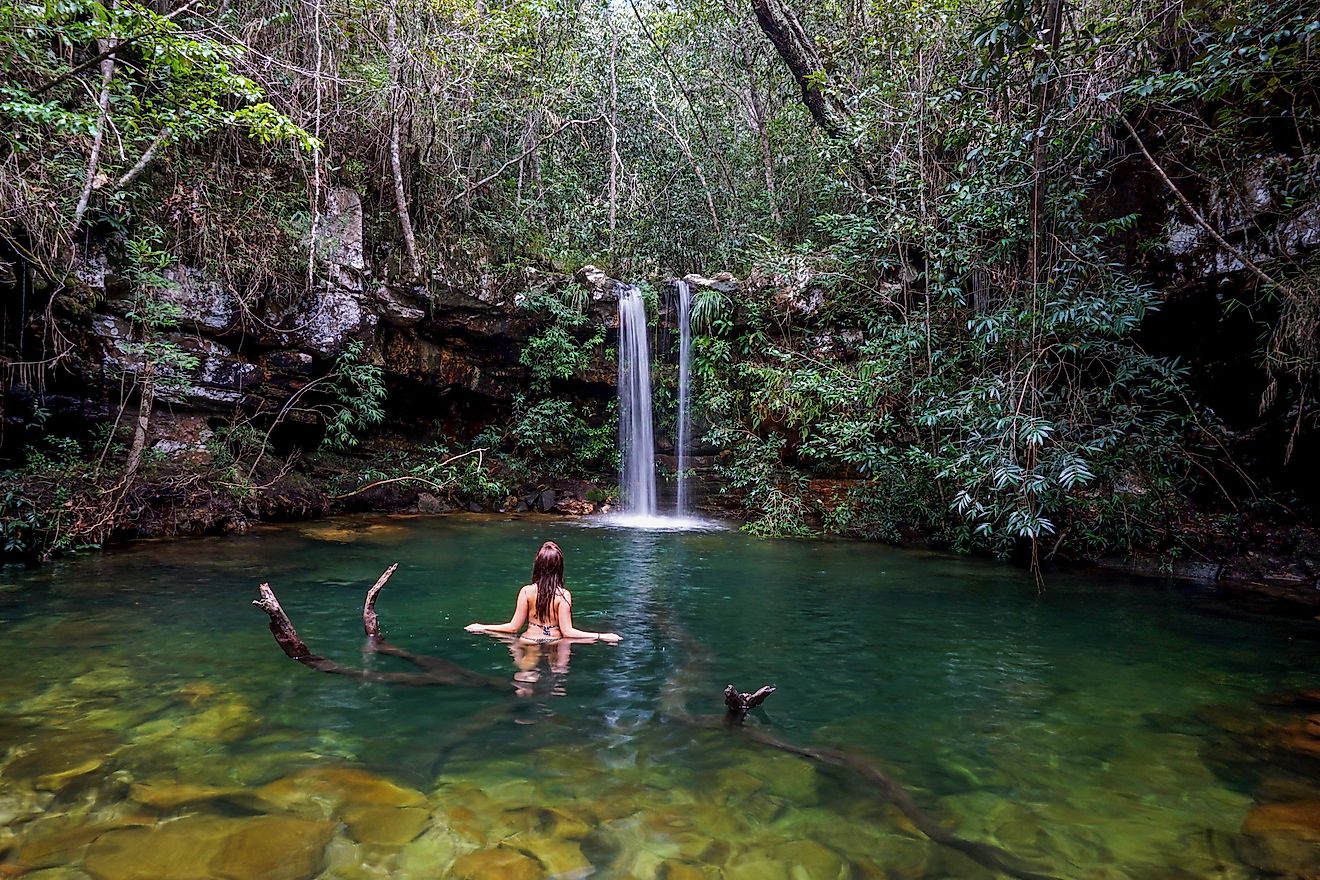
{"x": 545, "y": 501}
{"x": 574, "y": 507}
{"x": 428, "y": 503}
{"x": 397, "y": 307}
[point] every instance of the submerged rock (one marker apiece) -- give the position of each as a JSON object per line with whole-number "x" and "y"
{"x": 333, "y": 787}
{"x": 223, "y": 722}
{"x": 57, "y": 762}
{"x": 558, "y": 858}
{"x": 59, "y": 839}
{"x": 171, "y": 795}
{"x": 809, "y": 858}
{"x": 384, "y": 825}
{"x": 428, "y": 855}
{"x": 213, "y": 848}
{"x": 500, "y": 861}
{"x": 1282, "y": 839}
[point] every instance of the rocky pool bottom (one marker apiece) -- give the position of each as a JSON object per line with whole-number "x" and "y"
{"x": 150, "y": 728}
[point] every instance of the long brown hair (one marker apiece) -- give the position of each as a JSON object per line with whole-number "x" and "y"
{"x": 548, "y": 575}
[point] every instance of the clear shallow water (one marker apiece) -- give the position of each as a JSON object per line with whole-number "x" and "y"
{"x": 151, "y": 728}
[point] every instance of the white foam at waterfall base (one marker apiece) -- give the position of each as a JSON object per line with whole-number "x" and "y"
{"x": 653, "y": 522}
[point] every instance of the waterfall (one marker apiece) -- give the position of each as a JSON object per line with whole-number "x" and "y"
{"x": 636, "y": 438}
{"x": 684, "y": 438}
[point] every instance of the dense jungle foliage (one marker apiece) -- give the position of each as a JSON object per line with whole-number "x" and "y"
{"x": 958, "y": 222}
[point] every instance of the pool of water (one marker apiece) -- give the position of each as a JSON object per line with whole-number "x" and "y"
{"x": 150, "y": 727}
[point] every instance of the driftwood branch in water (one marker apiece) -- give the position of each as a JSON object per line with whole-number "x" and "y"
{"x": 433, "y": 670}
{"x": 983, "y": 853}
{"x": 370, "y": 623}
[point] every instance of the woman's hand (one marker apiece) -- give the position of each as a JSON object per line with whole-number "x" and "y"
{"x": 475, "y": 627}
{"x": 612, "y": 638}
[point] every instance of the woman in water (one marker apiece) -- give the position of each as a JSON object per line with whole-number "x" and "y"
{"x": 545, "y": 606}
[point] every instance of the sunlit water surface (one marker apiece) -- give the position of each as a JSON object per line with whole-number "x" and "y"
{"x": 151, "y": 728}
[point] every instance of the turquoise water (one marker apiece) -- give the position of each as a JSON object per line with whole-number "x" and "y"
{"x": 150, "y": 727}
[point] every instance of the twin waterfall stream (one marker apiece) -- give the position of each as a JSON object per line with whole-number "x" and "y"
{"x": 637, "y": 484}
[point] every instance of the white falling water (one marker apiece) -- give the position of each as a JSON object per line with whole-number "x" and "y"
{"x": 636, "y": 437}
{"x": 684, "y": 381}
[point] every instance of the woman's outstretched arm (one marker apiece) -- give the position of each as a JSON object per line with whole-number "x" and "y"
{"x": 571, "y": 632}
{"x": 515, "y": 623}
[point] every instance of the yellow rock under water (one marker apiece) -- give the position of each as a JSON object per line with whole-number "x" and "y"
{"x": 212, "y": 848}
{"x": 501, "y": 862}
{"x": 335, "y": 786}
{"x": 384, "y": 825}
{"x": 559, "y": 858}
{"x": 58, "y": 840}
{"x": 171, "y": 795}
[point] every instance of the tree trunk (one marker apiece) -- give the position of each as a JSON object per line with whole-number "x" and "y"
{"x": 107, "y": 47}
{"x": 396, "y": 164}
{"x": 797, "y": 50}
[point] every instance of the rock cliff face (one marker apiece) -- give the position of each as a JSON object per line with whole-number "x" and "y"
{"x": 443, "y": 350}
{"x": 1222, "y": 323}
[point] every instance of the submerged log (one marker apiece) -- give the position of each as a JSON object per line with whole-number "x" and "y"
{"x": 985, "y": 854}
{"x": 433, "y": 670}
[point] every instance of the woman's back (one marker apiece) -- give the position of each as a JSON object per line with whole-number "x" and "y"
{"x": 543, "y": 623}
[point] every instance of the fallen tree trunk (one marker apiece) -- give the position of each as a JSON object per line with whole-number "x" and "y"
{"x": 985, "y": 854}
{"x": 433, "y": 670}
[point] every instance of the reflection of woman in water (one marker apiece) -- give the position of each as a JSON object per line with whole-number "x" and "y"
{"x": 545, "y": 606}
{"x": 532, "y": 660}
